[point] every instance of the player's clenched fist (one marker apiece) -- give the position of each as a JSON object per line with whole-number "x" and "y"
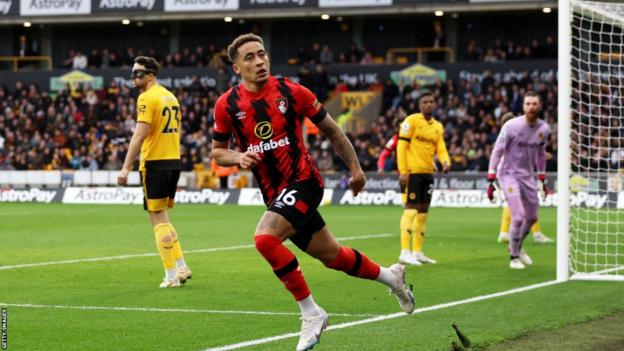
{"x": 248, "y": 159}
{"x": 357, "y": 182}
{"x": 403, "y": 180}
{"x": 491, "y": 187}
{"x": 122, "y": 178}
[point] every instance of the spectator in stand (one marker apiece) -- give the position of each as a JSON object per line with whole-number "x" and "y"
{"x": 367, "y": 59}
{"x": 473, "y": 52}
{"x": 354, "y": 55}
{"x": 25, "y": 47}
{"x": 319, "y": 81}
{"x": 79, "y": 61}
{"x": 95, "y": 59}
{"x": 315, "y": 53}
{"x": 302, "y": 55}
{"x": 326, "y": 56}
{"x": 438, "y": 41}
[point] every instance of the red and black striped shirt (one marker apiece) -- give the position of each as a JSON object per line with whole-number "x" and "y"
{"x": 270, "y": 123}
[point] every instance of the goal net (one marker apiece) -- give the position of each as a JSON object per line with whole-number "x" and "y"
{"x": 596, "y": 140}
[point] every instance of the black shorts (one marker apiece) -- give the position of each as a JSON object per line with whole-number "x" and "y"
{"x": 159, "y": 188}
{"x": 419, "y": 189}
{"x": 298, "y": 203}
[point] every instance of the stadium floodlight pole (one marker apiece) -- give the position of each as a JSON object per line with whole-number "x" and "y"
{"x": 563, "y": 138}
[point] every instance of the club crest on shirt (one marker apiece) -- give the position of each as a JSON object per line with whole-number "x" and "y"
{"x": 541, "y": 135}
{"x": 405, "y": 127}
{"x": 282, "y": 104}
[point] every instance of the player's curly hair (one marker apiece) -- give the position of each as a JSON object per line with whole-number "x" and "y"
{"x": 232, "y": 49}
{"x": 149, "y": 63}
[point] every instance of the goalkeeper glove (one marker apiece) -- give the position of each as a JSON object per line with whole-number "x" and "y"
{"x": 542, "y": 187}
{"x": 491, "y": 187}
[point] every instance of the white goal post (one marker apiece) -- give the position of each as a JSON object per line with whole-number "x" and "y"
{"x": 590, "y": 215}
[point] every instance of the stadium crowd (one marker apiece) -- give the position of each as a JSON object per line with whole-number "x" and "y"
{"x": 509, "y": 50}
{"x": 213, "y": 57}
{"x": 90, "y": 129}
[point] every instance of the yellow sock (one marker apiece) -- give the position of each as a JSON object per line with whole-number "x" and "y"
{"x": 419, "y": 224}
{"x": 406, "y": 227}
{"x": 536, "y": 228}
{"x": 177, "y": 249}
{"x": 164, "y": 242}
{"x": 505, "y": 220}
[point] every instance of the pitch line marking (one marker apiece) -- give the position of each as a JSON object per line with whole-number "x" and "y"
{"x": 214, "y": 249}
{"x": 170, "y": 310}
{"x": 266, "y": 340}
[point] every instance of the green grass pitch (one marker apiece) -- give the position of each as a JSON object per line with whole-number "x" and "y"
{"x": 231, "y": 282}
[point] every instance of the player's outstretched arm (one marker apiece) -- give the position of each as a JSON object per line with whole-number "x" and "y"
{"x": 140, "y": 133}
{"x": 226, "y": 157}
{"x": 344, "y": 149}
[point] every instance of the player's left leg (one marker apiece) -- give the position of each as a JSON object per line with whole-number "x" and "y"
{"x": 424, "y": 186}
{"x": 530, "y": 202}
{"x": 324, "y": 247}
{"x": 163, "y": 233}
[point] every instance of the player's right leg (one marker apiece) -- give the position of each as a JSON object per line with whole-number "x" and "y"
{"x": 159, "y": 191}
{"x": 514, "y": 201}
{"x": 420, "y": 189}
{"x": 271, "y": 231}
{"x": 407, "y": 226}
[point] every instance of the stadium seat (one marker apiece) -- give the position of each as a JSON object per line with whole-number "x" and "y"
{"x": 100, "y": 178}
{"x": 18, "y": 179}
{"x": 184, "y": 179}
{"x": 82, "y": 178}
{"x": 134, "y": 178}
{"x": 34, "y": 178}
{"x": 4, "y": 177}
{"x": 52, "y": 179}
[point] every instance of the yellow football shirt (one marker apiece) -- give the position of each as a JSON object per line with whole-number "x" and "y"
{"x": 159, "y": 108}
{"x": 419, "y": 141}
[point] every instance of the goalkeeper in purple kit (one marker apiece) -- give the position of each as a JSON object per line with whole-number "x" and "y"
{"x": 521, "y": 147}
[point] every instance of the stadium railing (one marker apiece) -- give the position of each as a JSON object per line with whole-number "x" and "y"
{"x": 420, "y": 52}
{"x": 15, "y": 60}
{"x": 60, "y": 179}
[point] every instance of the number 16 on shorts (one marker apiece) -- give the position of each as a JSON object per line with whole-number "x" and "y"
{"x": 288, "y": 197}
